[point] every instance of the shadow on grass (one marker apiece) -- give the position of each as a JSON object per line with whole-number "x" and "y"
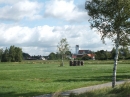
{"x": 122, "y": 77}
{"x": 100, "y": 78}
{"x": 13, "y": 94}
{"x": 78, "y": 79}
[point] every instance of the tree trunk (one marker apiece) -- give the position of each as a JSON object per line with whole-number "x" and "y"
{"x": 62, "y": 63}
{"x": 115, "y": 62}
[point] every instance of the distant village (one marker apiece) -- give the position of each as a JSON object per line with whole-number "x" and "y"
{"x": 82, "y": 53}
{"x": 78, "y": 54}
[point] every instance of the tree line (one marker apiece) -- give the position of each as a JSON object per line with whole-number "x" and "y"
{"x": 13, "y": 54}
{"x": 124, "y": 54}
{"x": 58, "y": 56}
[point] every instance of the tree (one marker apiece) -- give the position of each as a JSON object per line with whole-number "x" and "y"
{"x": 85, "y": 57}
{"x": 12, "y": 54}
{"x": 108, "y": 54}
{"x": 113, "y": 53}
{"x": 5, "y": 56}
{"x": 68, "y": 53}
{"x": 1, "y": 52}
{"x": 25, "y": 55}
{"x": 18, "y": 54}
{"x": 101, "y": 55}
{"x": 63, "y": 46}
{"x": 124, "y": 52}
{"x": 52, "y": 56}
{"x": 112, "y": 20}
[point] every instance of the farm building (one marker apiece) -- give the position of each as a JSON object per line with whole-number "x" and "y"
{"x": 81, "y": 53}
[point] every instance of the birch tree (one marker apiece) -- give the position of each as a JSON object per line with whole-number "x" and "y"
{"x": 63, "y": 46}
{"x": 112, "y": 20}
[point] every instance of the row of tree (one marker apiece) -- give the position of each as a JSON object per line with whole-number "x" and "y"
{"x": 124, "y": 53}
{"x": 13, "y": 54}
{"x": 58, "y": 56}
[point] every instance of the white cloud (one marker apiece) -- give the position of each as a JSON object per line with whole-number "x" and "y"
{"x": 42, "y": 40}
{"x": 9, "y": 1}
{"x": 64, "y": 9}
{"x": 19, "y": 10}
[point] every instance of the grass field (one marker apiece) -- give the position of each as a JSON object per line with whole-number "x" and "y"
{"x": 30, "y": 78}
{"x": 119, "y": 91}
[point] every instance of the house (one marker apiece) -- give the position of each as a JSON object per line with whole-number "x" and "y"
{"x": 92, "y": 56}
{"x": 42, "y": 58}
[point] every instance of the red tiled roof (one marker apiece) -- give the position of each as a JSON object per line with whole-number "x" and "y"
{"x": 74, "y": 56}
{"x": 91, "y": 55}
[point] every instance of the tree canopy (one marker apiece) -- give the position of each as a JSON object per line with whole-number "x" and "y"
{"x": 110, "y": 17}
{"x": 13, "y": 54}
{"x": 63, "y": 47}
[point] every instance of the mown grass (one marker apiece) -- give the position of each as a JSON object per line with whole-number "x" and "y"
{"x": 30, "y": 78}
{"x": 119, "y": 91}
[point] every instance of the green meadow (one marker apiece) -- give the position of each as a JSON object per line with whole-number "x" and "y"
{"x": 31, "y": 78}
{"x": 122, "y": 90}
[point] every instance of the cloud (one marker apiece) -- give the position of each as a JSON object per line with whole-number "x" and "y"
{"x": 16, "y": 10}
{"x": 42, "y": 40}
{"x": 9, "y": 1}
{"x": 65, "y": 9}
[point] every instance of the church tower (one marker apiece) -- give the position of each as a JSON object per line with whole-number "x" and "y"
{"x": 77, "y": 49}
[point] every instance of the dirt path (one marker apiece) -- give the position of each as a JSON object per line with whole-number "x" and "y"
{"x": 82, "y": 90}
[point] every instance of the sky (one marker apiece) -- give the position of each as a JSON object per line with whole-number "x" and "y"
{"x": 37, "y": 26}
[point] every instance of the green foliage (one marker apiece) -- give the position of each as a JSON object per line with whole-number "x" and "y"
{"x": 63, "y": 47}
{"x": 58, "y": 56}
{"x": 112, "y": 20}
{"x": 25, "y": 55}
{"x": 113, "y": 53}
{"x": 110, "y": 17}
{"x": 124, "y": 54}
{"x": 13, "y": 54}
{"x": 86, "y": 57}
{"x": 1, "y": 52}
{"x": 5, "y": 56}
{"x": 68, "y": 53}
{"x": 18, "y": 54}
{"x": 101, "y": 55}
{"x": 52, "y": 56}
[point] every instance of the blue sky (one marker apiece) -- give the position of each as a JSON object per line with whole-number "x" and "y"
{"x": 38, "y": 25}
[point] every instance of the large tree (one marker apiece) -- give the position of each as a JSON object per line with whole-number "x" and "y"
{"x": 52, "y": 56}
{"x": 112, "y": 20}
{"x": 5, "y": 56}
{"x": 63, "y": 46}
{"x": 1, "y": 52}
{"x": 18, "y": 54}
{"x": 13, "y": 54}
